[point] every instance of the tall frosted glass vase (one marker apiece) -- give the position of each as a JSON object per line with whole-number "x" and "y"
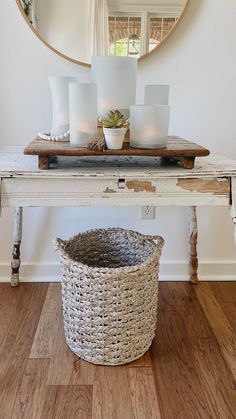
{"x": 116, "y": 80}
{"x": 60, "y": 103}
{"x": 156, "y": 94}
{"x": 149, "y": 126}
{"x": 83, "y": 113}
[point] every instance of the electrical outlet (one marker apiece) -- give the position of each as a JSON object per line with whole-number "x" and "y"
{"x": 147, "y": 212}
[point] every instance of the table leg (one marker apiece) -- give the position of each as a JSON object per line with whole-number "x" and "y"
{"x": 187, "y": 162}
{"x": 44, "y": 162}
{"x": 17, "y": 235}
{"x": 193, "y": 236}
{"x": 233, "y": 204}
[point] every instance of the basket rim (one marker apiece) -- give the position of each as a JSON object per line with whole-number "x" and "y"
{"x": 59, "y": 246}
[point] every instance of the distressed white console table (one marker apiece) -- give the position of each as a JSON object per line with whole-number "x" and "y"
{"x": 117, "y": 182}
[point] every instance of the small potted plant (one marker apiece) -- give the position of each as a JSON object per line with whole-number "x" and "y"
{"x": 114, "y": 128}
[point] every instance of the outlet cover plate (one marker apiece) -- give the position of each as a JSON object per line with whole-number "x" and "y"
{"x": 147, "y": 212}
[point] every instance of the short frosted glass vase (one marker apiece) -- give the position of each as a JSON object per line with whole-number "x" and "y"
{"x": 149, "y": 126}
{"x": 156, "y": 94}
{"x": 83, "y": 113}
{"x": 116, "y": 80}
{"x": 60, "y": 103}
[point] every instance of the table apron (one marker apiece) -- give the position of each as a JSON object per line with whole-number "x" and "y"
{"x": 54, "y": 192}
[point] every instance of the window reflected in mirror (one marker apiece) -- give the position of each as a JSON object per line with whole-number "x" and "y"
{"x": 130, "y": 35}
{"x": 125, "y": 35}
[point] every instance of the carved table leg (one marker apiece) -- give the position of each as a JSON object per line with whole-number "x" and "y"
{"x": 17, "y": 235}
{"x": 233, "y": 204}
{"x": 193, "y": 236}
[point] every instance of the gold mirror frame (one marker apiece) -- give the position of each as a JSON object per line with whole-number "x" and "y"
{"x": 72, "y": 60}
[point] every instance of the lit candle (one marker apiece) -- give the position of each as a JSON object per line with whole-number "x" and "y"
{"x": 149, "y": 126}
{"x": 83, "y": 113}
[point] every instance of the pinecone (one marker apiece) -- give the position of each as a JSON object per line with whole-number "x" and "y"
{"x": 98, "y": 144}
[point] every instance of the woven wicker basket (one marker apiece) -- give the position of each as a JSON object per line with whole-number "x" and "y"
{"x": 109, "y": 293}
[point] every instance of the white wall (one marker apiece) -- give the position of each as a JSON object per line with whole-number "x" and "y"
{"x": 199, "y": 63}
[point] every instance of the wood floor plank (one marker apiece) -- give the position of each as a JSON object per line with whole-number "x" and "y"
{"x": 32, "y": 392}
{"x": 144, "y": 361}
{"x": 68, "y": 402}
{"x": 111, "y": 393}
{"x": 229, "y": 310}
{"x": 15, "y": 347}
{"x": 219, "y": 323}
{"x": 224, "y": 291}
{"x": 8, "y": 298}
{"x": 143, "y": 394}
{"x": 65, "y": 368}
{"x": 179, "y": 388}
{"x": 215, "y": 375}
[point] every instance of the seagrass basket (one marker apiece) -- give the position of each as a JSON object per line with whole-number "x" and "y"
{"x": 109, "y": 293}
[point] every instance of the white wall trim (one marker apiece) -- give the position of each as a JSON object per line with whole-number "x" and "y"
{"x": 170, "y": 271}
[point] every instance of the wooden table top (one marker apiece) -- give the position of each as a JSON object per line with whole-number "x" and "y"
{"x": 176, "y": 147}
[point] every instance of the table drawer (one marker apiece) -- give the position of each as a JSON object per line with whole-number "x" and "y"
{"x": 78, "y": 191}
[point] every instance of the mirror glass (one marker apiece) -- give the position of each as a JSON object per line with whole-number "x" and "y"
{"x": 80, "y": 29}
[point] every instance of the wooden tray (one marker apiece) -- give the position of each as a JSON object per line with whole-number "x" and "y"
{"x": 177, "y": 148}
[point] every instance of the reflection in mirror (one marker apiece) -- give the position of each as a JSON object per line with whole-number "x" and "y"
{"x": 83, "y": 28}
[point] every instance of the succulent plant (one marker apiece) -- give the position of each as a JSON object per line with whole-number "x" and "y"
{"x": 114, "y": 119}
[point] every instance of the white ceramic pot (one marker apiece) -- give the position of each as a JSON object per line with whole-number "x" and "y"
{"x": 114, "y": 137}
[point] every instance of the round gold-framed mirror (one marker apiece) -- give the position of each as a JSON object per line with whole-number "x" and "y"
{"x": 79, "y": 29}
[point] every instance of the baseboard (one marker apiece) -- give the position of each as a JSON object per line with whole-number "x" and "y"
{"x": 170, "y": 271}
{"x": 207, "y": 271}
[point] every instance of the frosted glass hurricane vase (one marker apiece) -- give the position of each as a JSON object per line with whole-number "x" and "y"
{"x": 60, "y": 103}
{"x": 83, "y": 113}
{"x": 149, "y": 126}
{"x": 156, "y": 94}
{"x": 116, "y": 80}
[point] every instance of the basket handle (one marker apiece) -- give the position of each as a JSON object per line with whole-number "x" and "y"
{"x": 151, "y": 237}
{"x": 59, "y": 244}
{"x": 159, "y": 241}
{"x": 146, "y": 236}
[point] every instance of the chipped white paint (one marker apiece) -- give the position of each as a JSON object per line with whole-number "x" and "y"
{"x": 53, "y": 191}
{"x": 14, "y": 162}
{"x": 113, "y": 181}
{"x": 233, "y": 204}
{"x": 17, "y": 235}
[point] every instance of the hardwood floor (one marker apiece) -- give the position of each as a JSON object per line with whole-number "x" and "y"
{"x": 188, "y": 373}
